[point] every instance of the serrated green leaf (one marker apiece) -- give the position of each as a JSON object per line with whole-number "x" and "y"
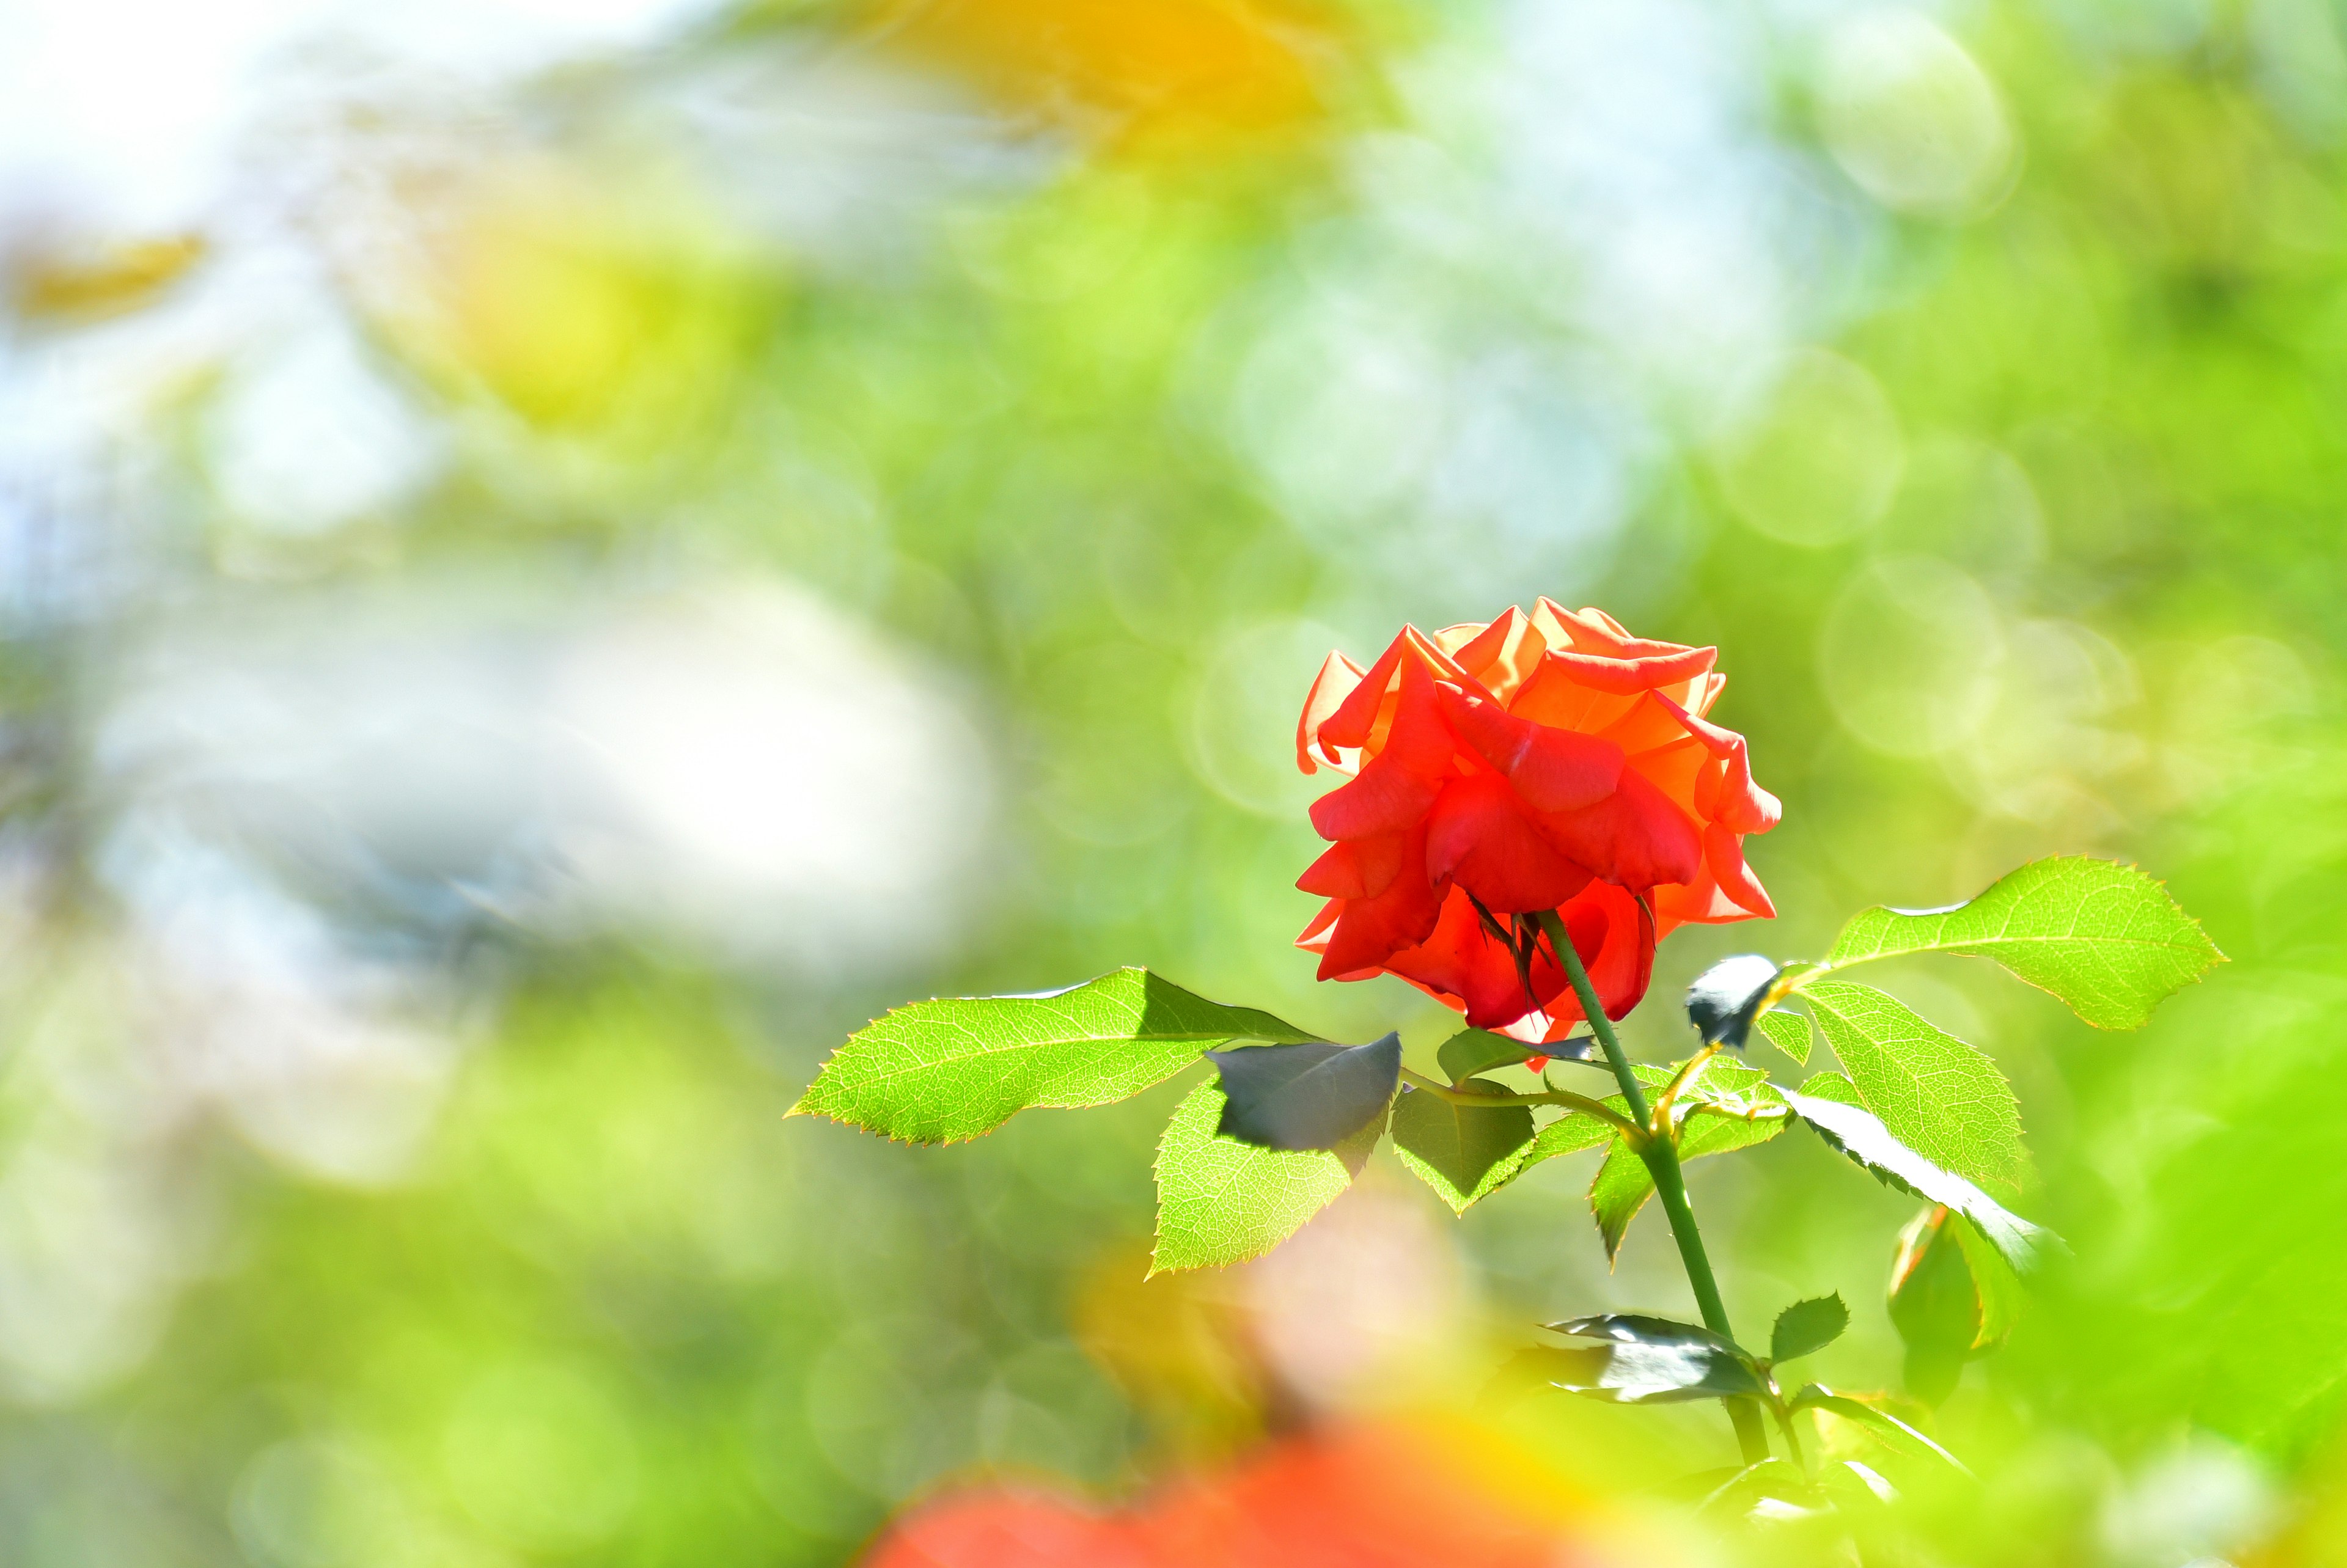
{"x": 1465, "y": 1152}
{"x": 1854, "y": 1132}
{"x": 1221, "y": 1202}
{"x": 2104, "y": 938}
{"x": 1642, "y": 1329}
{"x": 1624, "y": 1183}
{"x": 1830, "y": 1085}
{"x": 1474, "y": 1050}
{"x": 1570, "y": 1133}
{"x": 1808, "y": 1327}
{"x": 1309, "y": 1096}
{"x": 942, "y": 1070}
{"x": 1788, "y": 1031}
{"x": 1814, "y": 1397}
{"x": 1938, "y": 1095}
{"x": 1652, "y": 1373}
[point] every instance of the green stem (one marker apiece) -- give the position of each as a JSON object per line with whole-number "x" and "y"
{"x": 1661, "y": 1153}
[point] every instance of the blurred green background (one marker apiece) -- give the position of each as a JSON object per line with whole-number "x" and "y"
{"x": 556, "y": 559}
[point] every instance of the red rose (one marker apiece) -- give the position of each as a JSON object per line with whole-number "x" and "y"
{"x": 1549, "y": 761}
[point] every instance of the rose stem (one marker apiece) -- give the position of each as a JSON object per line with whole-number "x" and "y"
{"x": 1662, "y": 1157}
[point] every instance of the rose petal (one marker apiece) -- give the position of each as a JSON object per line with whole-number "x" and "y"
{"x": 1635, "y": 836}
{"x": 1336, "y": 680}
{"x": 1477, "y": 836}
{"x": 1552, "y": 770}
{"x": 1368, "y": 931}
{"x": 1397, "y": 784}
{"x": 1359, "y": 868}
{"x": 1723, "y": 853}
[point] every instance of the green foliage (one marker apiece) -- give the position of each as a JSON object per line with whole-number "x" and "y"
{"x": 1788, "y": 1032}
{"x": 1624, "y": 1183}
{"x": 1474, "y": 1050}
{"x": 1808, "y": 1327}
{"x": 1464, "y": 1152}
{"x": 2104, "y": 938}
{"x": 1856, "y": 1133}
{"x": 943, "y": 1070}
{"x": 1936, "y": 1094}
{"x": 1900, "y": 1435}
{"x": 1654, "y": 1361}
{"x": 1221, "y": 1202}
{"x": 1311, "y": 1096}
{"x": 1620, "y": 1189}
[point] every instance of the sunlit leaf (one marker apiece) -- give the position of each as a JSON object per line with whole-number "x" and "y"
{"x": 1808, "y": 1327}
{"x": 1724, "y": 997}
{"x": 1474, "y": 1050}
{"x": 1624, "y": 1183}
{"x": 1858, "y": 1134}
{"x": 2104, "y": 938}
{"x": 1938, "y": 1095}
{"x": 1622, "y": 1186}
{"x": 1788, "y": 1032}
{"x": 1309, "y": 1096}
{"x": 1220, "y": 1201}
{"x": 937, "y": 1072}
{"x": 1771, "y": 1489}
{"x": 1653, "y": 1360}
{"x": 1900, "y": 1435}
{"x": 2001, "y": 1292}
{"x": 1463, "y": 1151}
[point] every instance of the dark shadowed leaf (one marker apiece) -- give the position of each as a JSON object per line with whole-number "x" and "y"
{"x": 1724, "y": 997}
{"x": 1220, "y": 1201}
{"x": 1788, "y": 1031}
{"x": 937, "y": 1072}
{"x": 1474, "y": 1050}
{"x": 1311, "y": 1096}
{"x": 1640, "y": 1329}
{"x": 1861, "y": 1136}
{"x": 2102, "y": 936}
{"x": 1463, "y": 1151}
{"x": 1808, "y": 1327}
{"x": 1898, "y": 1433}
{"x": 1657, "y": 1373}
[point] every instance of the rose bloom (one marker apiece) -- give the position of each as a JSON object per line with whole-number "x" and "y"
{"x": 1540, "y": 762}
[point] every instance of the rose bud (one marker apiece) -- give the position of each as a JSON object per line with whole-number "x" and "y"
{"x": 1541, "y": 762}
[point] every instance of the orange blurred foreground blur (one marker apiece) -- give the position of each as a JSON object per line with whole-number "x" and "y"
{"x": 1367, "y": 1496}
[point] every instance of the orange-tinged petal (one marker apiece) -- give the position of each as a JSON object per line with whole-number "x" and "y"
{"x": 1368, "y": 931}
{"x": 1336, "y": 680}
{"x": 1552, "y": 770}
{"x": 1627, "y": 676}
{"x": 1635, "y": 836}
{"x": 1348, "y": 724}
{"x": 1553, "y": 696}
{"x": 1359, "y": 868}
{"x": 1396, "y": 785}
{"x": 1723, "y": 853}
{"x": 1477, "y": 834}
